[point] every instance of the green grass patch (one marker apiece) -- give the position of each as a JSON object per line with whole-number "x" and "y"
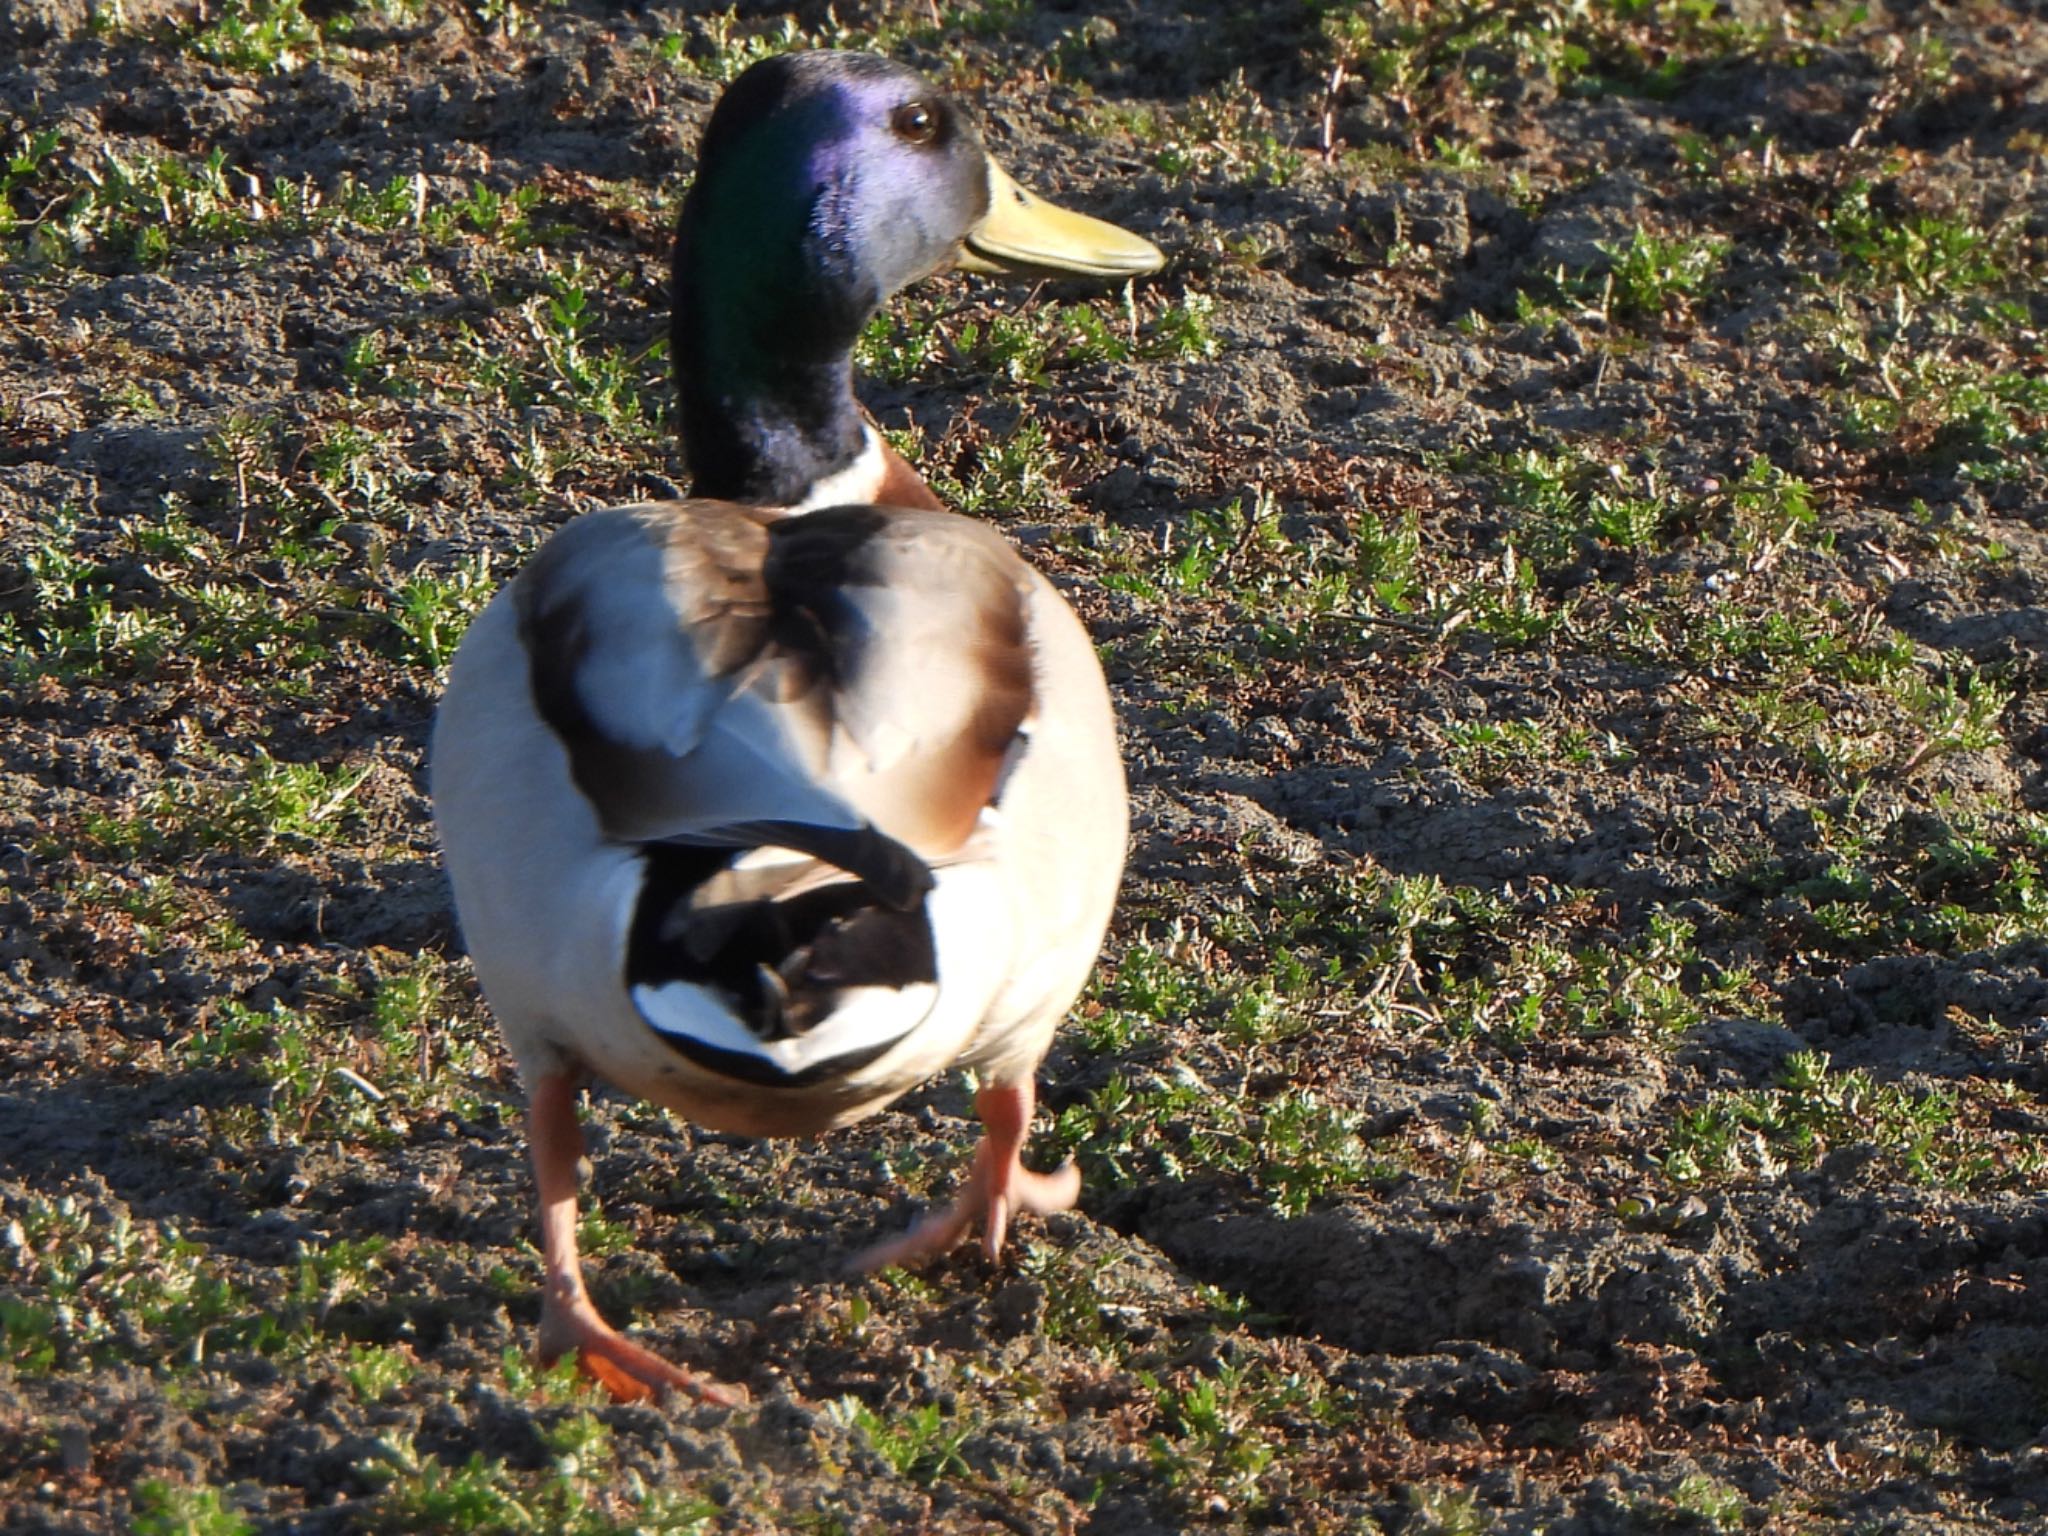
{"x": 1298, "y": 584}
{"x": 1650, "y": 279}
{"x": 1949, "y": 879}
{"x": 1014, "y": 475}
{"x": 920, "y": 1444}
{"x": 576, "y": 1491}
{"x": 1991, "y": 427}
{"x": 720, "y": 46}
{"x": 1567, "y": 497}
{"x": 431, "y": 612}
{"x": 1921, "y": 1135}
{"x": 1923, "y": 255}
{"x": 247, "y": 805}
{"x": 1493, "y": 751}
{"x": 1293, "y": 1149}
{"x": 93, "y": 1285}
{"x": 1437, "y": 56}
{"x": 1216, "y": 1437}
{"x": 63, "y": 205}
{"x": 263, "y": 37}
{"x": 168, "y": 1509}
{"x": 1227, "y": 134}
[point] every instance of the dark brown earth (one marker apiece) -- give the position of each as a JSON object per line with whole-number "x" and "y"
{"x": 1565, "y": 682}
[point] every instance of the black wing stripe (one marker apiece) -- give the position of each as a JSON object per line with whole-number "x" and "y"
{"x": 895, "y": 874}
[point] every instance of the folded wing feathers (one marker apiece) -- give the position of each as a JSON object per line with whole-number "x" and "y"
{"x": 637, "y": 630}
{"x": 844, "y": 683}
{"x": 924, "y": 618}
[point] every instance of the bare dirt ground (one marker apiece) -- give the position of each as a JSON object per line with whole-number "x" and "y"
{"x": 1569, "y": 536}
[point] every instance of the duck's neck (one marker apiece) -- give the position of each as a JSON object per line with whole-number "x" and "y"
{"x": 764, "y": 375}
{"x": 767, "y": 440}
{"x": 792, "y": 437}
{"x": 764, "y": 380}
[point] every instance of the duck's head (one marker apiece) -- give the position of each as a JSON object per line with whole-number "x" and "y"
{"x": 826, "y": 182}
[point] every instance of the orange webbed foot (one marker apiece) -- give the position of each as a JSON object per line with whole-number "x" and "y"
{"x": 630, "y": 1372}
{"x": 569, "y": 1322}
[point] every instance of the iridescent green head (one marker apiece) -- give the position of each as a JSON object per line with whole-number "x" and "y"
{"x": 825, "y": 183}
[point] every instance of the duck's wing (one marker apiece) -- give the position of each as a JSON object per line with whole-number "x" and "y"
{"x": 848, "y": 684}
{"x": 919, "y": 622}
{"x": 650, "y": 641}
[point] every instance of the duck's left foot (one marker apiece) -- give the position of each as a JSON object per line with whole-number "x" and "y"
{"x": 998, "y": 1187}
{"x": 569, "y": 1322}
{"x": 628, "y": 1371}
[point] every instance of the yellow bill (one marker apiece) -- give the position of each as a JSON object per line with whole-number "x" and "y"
{"x": 1023, "y": 233}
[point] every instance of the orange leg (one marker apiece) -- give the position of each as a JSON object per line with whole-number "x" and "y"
{"x": 998, "y": 1186}
{"x": 568, "y": 1320}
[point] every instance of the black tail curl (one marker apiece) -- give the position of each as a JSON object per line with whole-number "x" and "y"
{"x": 780, "y": 961}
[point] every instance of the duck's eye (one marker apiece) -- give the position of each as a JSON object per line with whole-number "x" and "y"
{"x": 915, "y": 122}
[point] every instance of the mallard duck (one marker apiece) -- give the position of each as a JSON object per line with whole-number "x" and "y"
{"x": 767, "y": 817}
